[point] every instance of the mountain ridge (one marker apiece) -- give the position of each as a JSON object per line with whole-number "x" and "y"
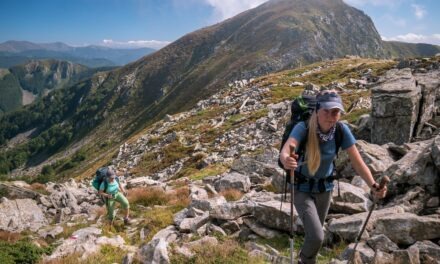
{"x": 17, "y": 52}
{"x": 275, "y": 36}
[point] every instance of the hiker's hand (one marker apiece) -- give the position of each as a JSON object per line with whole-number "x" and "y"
{"x": 377, "y": 192}
{"x": 290, "y": 162}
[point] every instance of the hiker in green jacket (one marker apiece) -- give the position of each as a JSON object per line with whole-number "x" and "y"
{"x": 114, "y": 192}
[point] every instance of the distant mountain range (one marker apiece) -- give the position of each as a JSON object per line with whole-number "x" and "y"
{"x": 98, "y": 113}
{"x": 22, "y": 84}
{"x": 18, "y": 52}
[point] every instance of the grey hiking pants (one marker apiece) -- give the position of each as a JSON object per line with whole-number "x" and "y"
{"x": 312, "y": 209}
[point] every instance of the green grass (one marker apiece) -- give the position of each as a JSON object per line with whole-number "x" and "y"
{"x": 226, "y": 252}
{"x": 325, "y": 256}
{"x": 211, "y": 170}
{"x": 282, "y": 244}
{"x": 107, "y": 254}
{"x": 170, "y": 154}
{"x": 154, "y": 220}
{"x": 282, "y": 93}
{"x": 353, "y": 117}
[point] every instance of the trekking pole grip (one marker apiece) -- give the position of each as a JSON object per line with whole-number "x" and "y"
{"x": 384, "y": 181}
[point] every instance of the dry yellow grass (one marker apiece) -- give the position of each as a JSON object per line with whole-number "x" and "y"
{"x": 39, "y": 187}
{"x": 9, "y": 236}
{"x": 147, "y": 196}
{"x": 232, "y": 194}
{"x": 157, "y": 196}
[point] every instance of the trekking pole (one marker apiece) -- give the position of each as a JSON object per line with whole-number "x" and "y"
{"x": 385, "y": 180}
{"x": 292, "y": 178}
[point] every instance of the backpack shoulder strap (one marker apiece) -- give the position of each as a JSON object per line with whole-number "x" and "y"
{"x": 302, "y": 146}
{"x": 339, "y": 136}
{"x": 105, "y": 180}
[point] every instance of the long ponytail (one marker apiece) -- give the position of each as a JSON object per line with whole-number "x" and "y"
{"x": 313, "y": 154}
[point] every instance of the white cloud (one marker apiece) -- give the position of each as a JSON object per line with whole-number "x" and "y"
{"x": 416, "y": 38}
{"x": 419, "y": 11}
{"x": 224, "y": 9}
{"x": 154, "y": 44}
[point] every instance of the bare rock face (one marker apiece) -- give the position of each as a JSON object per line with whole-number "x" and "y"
{"x": 429, "y": 83}
{"x": 396, "y": 102}
{"x": 170, "y": 234}
{"x": 87, "y": 241}
{"x": 427, "y": 250}
{"x": 382, "y": 243}
{"x": 19, "y": 215}
{"x": 376, "y": 157}
{"x": 232, "y": 210}
{"x": 348, "y": 227}
{"x": 191, "y": 224}
{"x": 415, "y": 168}
{"x": 155, "y": 252}
{"x": 270, "y": 215}
{"x": 260, "y": 229}
{"x": 352, "y": 200}
{"x": 408, "y": 228}
{"x": 435, "y": 154}
{"x": 412, "y": 201}
{"x": 366, "y": 254}
{"x": 233, "y": 180}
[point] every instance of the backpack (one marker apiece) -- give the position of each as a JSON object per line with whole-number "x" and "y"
{"x": 101, "y": 176}
{"x": 301, "y": 109}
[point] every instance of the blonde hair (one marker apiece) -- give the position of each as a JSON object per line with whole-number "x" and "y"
{"x": 313, "y": 153}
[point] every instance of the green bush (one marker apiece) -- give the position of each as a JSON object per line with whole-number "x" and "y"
{"x": 48, "y": 170}
{"x": 22, "y": 252}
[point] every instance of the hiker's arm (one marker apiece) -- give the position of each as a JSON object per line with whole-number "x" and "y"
{"x": 288, "y": 161}
{"x": 121, "y": 188}
{"x": 359, "y": 165}
{"x": 361, "y": 168}
{"x": 101, "y": 192}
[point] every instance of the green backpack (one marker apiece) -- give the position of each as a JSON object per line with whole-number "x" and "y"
{"x": 101, "y": 176}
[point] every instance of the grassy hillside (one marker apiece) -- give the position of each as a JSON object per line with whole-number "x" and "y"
{"x": 10, "y": 91}
{"x": 409, "y": 50}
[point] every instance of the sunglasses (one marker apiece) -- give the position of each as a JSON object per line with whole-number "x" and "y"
{"x": 325, "y": 92}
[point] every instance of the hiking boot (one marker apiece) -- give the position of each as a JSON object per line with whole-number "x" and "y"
{"x": 127, "y": 221}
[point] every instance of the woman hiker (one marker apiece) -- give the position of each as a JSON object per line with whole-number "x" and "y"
{"x": 313, "y": 181}
{"x": 114, "y": 192}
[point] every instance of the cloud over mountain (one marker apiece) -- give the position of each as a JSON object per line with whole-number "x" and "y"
{"x": 415, "y": 38}
{"x": 154, "y": 44}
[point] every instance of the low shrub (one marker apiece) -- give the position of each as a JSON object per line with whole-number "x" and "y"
{"x": 20, "y": 252}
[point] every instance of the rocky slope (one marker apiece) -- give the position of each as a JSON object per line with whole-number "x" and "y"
{"x": 274, "y": 36}
{"x": 201, "y": 180}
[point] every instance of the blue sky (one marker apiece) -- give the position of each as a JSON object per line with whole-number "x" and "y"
{"x": 155, "y": 23}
